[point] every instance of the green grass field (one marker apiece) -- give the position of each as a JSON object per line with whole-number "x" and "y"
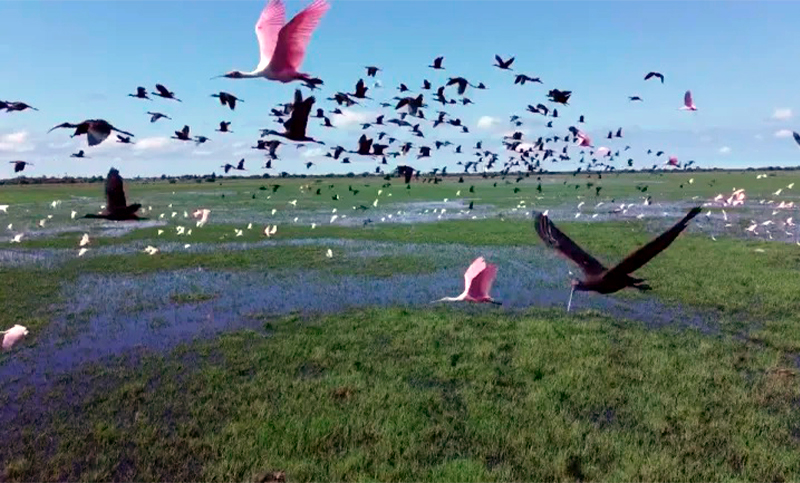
{"x": 376, "y": 391}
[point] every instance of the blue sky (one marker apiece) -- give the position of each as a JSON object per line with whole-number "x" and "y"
{"x": 76, "y": 60}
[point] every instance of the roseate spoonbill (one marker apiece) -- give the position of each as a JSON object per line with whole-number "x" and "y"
{"x": 155, "y": 116}
{"x": 20, "y": 165}
{"x": 437, "y": 63}
{"x": 688, "y": 103}
{"x": 503, "y": 64}
{"x": 477, "y": 283}
{"x": 657, "y": 75}
{"x": 295, "y": 127}
{"x": 117, "y": 208}
{"x": 165, "y": 93}
{"x": 283, "y": 47}
{"x": 598, "y": 278}
{"x": 141, "y": 93}
{"x": 96, "y": 130}
{"x": 227, "y": 99}
{"x": 13, "y": 335}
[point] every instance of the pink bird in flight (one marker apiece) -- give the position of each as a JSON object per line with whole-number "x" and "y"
{"x": 688, "y": 103}
{"x": 13, "y": 335}
{"x": 283, "y": 47}
{"x": 477, "y": 283}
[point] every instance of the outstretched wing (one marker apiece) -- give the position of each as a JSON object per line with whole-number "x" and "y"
{"x": 267, "y": 29}
{"x": 115, "y": 194}
{"x": 554, "y": 238}
{"x": 796, "y": 137}
{"x": 478, "y": 266}
{"x": 643, "y": 255}
{"x": 482, "y": 284}
{"x": 687, "y": 99}
{"x": 97, "y": 135}
{"x": 294, "y": 37}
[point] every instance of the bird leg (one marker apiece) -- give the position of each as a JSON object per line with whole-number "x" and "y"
{"x": 569, "y": 304}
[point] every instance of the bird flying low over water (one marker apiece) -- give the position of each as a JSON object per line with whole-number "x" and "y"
{"x": 96, "y": 130}
{"x": 477, "y": 283}
{"x": 598, "y": 278}
{"x": 117, "y": 208}
{"x": 283, "y": 47}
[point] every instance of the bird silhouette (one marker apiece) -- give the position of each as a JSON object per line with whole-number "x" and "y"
{"x": 20, "y": 165}
{"x": 598, "y": 278}
{"x": 96, "y": 130}
{"x": 117, "y": 208}
{"x": 165, "y": 93}
{"x": 227, "y": 99}
{"x": 295, "y": 127}
{"x": 503, "y": 64}
{"x": 657, "y": 75}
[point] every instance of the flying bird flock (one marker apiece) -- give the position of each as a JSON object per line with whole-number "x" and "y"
{"x": 404, "y": 128}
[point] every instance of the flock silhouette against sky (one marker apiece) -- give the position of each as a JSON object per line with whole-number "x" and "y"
{"x": 403, "y": 131}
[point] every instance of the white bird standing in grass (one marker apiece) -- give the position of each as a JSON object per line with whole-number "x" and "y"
{"x": 4, "y": 208}
{"x": 17, "y": 238}
{"x": 84, "y": 240}
{"x": 151, "y": 250}
{"x": 13, "y": 335}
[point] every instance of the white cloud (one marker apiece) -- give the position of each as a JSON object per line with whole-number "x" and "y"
{"x": 724, "y": 150}
{"x": 310, "y": 153}
{"x": 485, "y": 122}
{"x": 783, "y": 133}
{"x": 782, "y": 114}
{"x": 152, "y": 144}
{"x": 16, "y": 142}
{"x": 349, "y": 117}
{"x": 200, "y": 152}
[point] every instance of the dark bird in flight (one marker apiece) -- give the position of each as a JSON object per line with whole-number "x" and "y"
{"x": 15, "y": 106}
{"x": 227, "y": 99}
{"x": 155, "y": 116}
{"x": 200, "y": 140}
{"x": 521, "y": 79}
{"x": 96, "y": 130}
{"x": 437, "y": 63}
{"x": 295, "y": 127}
{"x": 223, "y": 127}
{"x": 117, "y": 208}
{"x": 461, "y": 82}
{"x": 124, "y": 139}
{"x": 240, "y": 166}
{"x": 598, "y": 278}
{"x": 20, "y": 165}
{"x": 796, "y": 137}
{"x": 165, "y": 93}
{"x": 635, "y": 98}
{"x": 182, "y": 135}
{"x": 361, "y": 90}
{"x": 79, "y": 154}
{"x": 406, "y": 172}
{"x": 503, "y": 64}
{"x": 371, "y": 70}
{"x": 657, "y": 75}
{"x": 141, "y": 93}
{"x": 560, "y": 97}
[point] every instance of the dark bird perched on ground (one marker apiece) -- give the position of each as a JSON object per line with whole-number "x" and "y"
{"x": 117, "y": 208}
{"x": 16, "y": 106}
{"x": 182, "y": 135}
{"x": 165, "y": 93}
{"x": 141, "y": 93}
{"x": 657, "y": 75}
{"x": 96, "y": 130}
{"x": 155, "y": 116}
{"x": 560, "y": 97}
{"x": 503, "y": 64}
{"x": 20, "y": 165}
{"x": 598, "y": 278}
{"x": 437, "y": 63}
{"x": 295, "y": 127}
{"x": 227, "y": 99}
{"x": 634, "y": 98}
{"x": 372, "y": 70}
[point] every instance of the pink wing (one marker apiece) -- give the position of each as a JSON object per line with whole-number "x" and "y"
{"x": 482, "y": 284}
{"x": 267, "y": 29}
{"x": 294, "y": 37}
{"x": 687, "y": 99}
{"x": 478, "y": 266}
{"x": 13, "y": 335}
